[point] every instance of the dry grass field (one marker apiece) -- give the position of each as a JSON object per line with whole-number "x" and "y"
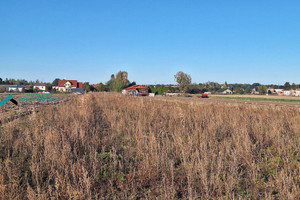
{"x": 106, "y": 146}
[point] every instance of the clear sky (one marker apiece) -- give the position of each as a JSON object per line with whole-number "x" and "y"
{"x": 212, "y": 40}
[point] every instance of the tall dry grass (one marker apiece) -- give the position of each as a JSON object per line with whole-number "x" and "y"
{"x": 106, "y": 146}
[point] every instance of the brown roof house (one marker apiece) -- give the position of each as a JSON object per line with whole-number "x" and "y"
{"x": 40, "y": 86}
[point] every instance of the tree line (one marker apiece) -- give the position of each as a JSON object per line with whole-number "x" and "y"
{"x": 119, "y": 81}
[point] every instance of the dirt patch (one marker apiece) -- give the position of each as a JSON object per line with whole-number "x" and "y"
{"x": 10, "y": 111}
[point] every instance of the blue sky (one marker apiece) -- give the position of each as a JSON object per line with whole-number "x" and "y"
{"x": 215, "y": 40}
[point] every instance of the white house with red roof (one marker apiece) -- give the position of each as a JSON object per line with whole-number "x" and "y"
{"x": 136, "y": 90}
{"x": 67, "y": 85}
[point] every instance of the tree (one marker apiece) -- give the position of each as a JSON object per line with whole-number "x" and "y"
{"x": 55, "y": 82}
{"x": 0, "y": 80}
{"x": 48, "y": 87}
{"x": 31, "y": 84}
{"x": 287, "y": 85}
{"x": 262, "y": 89}
{"x": 239, "y": 91}
{"x": 132, "y": 83}
{"x": 120, "y": 81}
{"x": 183, "y": 80}
{"x": 194, "y": 89}
{"x": 101, "y": 87}
{"x": 248, "y": 90}
{"x": 86, "y": 86}
{"x": 2, "y": 89}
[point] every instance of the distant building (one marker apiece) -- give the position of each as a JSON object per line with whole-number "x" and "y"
{"x": 136, "y": 90}
{"x": 40, "y": 86}
{"x": 297, "y": 93}
{"x": 224, "y": 91}
{"x": 271, "y": 91}
{"x": 254, "y": 90}
{"x": 15, "y": 88}
{"x": 280, "y": 90}
{"x": 95, "y": 86}
{"x": 67, "y": 85}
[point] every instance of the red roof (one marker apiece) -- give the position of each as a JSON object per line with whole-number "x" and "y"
{"x": 74, "y": 83}
{"x": 134, "y": 87}
{"x": 79, "y": 85}
{"x": 95, "y": 85}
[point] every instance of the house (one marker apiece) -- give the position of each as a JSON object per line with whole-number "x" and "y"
{"x": 254, "y": 90}
{"x": 280, "y": 90}
{"x": 297, "y": 93}
{"x": 136, "y": 90}
{"x": 271, "y": 91}
{"x": 67, "y": 85}
{"x": 40, "y": 86}
{"x": 15, "y": 88}
{"x": 224, "y": 91}
{"x": 95, "y": 86}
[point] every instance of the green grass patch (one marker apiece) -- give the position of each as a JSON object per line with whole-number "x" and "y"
{"x": 258, "y": 99}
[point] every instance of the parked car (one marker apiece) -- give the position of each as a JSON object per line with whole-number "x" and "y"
{"x": 203, "y": 96}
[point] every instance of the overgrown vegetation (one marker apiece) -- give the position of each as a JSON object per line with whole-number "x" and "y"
{"x": 106, "y": 146}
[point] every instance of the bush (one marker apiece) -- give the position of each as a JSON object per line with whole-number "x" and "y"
{"x": 2, "y": 89}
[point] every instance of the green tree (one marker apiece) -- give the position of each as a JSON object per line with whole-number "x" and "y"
{"x": 239, "y": 91}
{"x": 55, "y": 82}
{"x": 48, "y": 87}
{"x": 101, "y": 87}
{"x": 287, "y": 85}
{"x": 31, "y": 84}
{"x": 248, "y": 90}
{"x": 183, "y": 80}
{"x": 262, "y": 89}
{"x": 109, "y": 84}
{"x": 120, "y": 82}
{"x": 86, "y": 86}
{"x": 2, "y": 89}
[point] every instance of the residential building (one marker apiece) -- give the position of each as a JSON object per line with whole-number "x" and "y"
{"x": 271, "y": 91}
{"x": 297, "y": 93}
{"x": 280, "y": 90}
{"x": 135, "y": 90}
{"x": 67, "y": 85}
{"x": 224, "y": 91}
{"x": 254, "y": 90}
{"x": 15, "y": 88}
{"x": 40, "y": 86}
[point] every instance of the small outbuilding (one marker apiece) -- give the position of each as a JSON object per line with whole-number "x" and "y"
{"x": 224, "y": 91}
